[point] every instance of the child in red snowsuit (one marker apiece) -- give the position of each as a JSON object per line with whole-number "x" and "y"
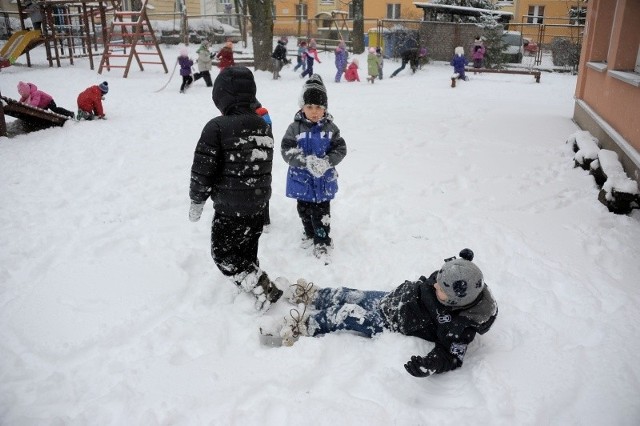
{"x": 351, "y": 74}
{"x": 226, "y": 56}
{"x": 90, "y": 102}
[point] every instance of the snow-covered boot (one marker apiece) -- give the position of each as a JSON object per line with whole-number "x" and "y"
{"x": 301, "y": 292}
{"x": 294, "y": 326}
{"x": 262, "y": 288}
{"x": 266, "y": 293}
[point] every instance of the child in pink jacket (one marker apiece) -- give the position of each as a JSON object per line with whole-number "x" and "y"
{"x": 30, "y": 95}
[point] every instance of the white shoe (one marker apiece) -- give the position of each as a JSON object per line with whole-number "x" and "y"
{"x": 294, "y": 326}
{"x": 300, "y": 292}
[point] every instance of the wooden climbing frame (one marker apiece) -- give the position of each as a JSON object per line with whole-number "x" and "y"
{"x": 130, "y": 30}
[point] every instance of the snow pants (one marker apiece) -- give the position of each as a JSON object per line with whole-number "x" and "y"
{"x": 206, "y": 75}
{"x": 316, "y": 221}
{"x": 234, "y": 244}
{"x": 347, "y": 309}
{"x": 59, "y": 110}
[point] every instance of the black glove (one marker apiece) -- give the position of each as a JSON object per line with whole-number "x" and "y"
{"x": 418, "y": 367}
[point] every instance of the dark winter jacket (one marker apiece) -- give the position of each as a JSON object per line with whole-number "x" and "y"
{"x": 280, "y": 52}
{"x": 410, "y": 55}
{"x": 185, "y": 65}
{"x": 414, "y": 310}
{"x": 322, "y": 139}
{"x": 233, "y": 159}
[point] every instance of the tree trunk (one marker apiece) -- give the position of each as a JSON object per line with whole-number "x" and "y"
{"x": 262, "y": 32}
{"x": 357, "y": 35}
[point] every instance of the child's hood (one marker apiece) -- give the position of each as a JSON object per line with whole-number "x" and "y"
{"x": 26, "y": 89}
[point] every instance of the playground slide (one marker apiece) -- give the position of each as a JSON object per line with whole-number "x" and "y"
{"x": 19, "y": 43}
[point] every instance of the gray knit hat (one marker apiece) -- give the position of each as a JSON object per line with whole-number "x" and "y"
{"x": 314, "y": 92}
{"x": 461, "y": 280}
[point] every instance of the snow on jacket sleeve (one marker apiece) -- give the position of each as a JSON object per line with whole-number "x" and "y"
{"x": 289, "y": 149}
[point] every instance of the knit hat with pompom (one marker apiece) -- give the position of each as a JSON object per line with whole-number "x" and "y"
{"x": 314, "y": 92}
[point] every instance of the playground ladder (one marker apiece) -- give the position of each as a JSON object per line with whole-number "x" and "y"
{"x": 135, "y": 30}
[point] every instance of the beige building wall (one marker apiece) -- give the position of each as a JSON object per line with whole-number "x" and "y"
{"x": 608, "y": 90}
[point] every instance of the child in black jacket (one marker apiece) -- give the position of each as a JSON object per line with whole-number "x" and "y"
{"x": 232, "y": 166}
{"x": 279, "y": 57}
{"x": 448, "y": 308}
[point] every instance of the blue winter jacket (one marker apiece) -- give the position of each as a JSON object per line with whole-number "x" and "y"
{"x": 458, "y": 63}
{"x": 302, "y": 139}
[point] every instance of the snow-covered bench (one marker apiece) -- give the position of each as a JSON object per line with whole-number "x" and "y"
{"x": 618, "y": 192}
{"x": 586, "y": 147}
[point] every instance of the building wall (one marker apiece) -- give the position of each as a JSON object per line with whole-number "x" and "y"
{"x": 556, "y": 12}
{"x": 607, "y": 103}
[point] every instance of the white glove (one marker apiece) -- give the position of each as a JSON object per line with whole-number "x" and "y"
{"x": 317, "y": 166}
{"x": 195, "y": 211}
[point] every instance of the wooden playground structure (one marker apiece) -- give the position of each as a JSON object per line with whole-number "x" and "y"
{"x": 37, "y": 118}
{"x": 85, "y": 29}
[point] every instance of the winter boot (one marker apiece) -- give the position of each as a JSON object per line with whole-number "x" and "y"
{"x": 294, "y": 326}
{"x": 300, "y": 292}
{"x": 322, "y": 252}
{"x": 266, "y": 292}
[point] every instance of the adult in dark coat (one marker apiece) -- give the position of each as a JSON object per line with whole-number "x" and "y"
{"x": 410, "y": 56}
{"x": 232, "y": 166}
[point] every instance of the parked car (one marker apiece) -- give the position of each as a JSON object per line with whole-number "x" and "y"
{"x": 513, "y": 49}
{"x": 530, "y": 46}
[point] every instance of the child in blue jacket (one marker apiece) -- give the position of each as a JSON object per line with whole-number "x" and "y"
{"x": 459, "y": 62}
{"x": 312, "y": 146}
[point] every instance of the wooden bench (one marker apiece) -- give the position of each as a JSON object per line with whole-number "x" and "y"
{"x": 534, "y": 73}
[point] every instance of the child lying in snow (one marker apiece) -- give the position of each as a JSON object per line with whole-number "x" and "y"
{"x": 448, "y": 308}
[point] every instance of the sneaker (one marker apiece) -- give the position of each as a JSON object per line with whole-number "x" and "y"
{"x": 300, "y": 292}
{"x": 265, "y": 292}
{"x": 294, "y": 326}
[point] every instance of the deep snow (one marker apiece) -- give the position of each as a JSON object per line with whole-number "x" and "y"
{"x": 112, "y": 311}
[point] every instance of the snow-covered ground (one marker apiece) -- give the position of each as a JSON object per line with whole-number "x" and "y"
{"x": 113, "y": 313}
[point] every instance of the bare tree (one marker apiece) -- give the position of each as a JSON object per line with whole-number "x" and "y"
{"x": 260, "y": 12}
{"x": 357, "y": 40}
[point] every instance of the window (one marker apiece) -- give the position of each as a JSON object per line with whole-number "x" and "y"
{"x": 577, "y": 15}
{"x": 535, "y": 14}
{"x": 327, "y": 2}
{"x": 637, "y": 68}
{"x": 393, "y": 11}
{"x": 301, "y": 12}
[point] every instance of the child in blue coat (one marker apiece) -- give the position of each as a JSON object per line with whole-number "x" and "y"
{"x": 312, "y": 146}
{"x": 459, "y": 62}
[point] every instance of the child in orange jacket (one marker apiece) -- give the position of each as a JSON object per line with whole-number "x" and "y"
{"x": 90, "y": 102}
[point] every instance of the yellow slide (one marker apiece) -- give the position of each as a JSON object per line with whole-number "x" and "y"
{"x": 20, "y": 42}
